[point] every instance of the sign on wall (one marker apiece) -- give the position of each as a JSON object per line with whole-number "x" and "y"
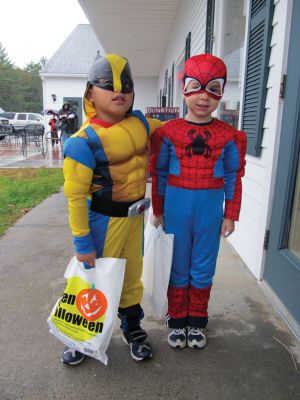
{"x": 163, "y": 113}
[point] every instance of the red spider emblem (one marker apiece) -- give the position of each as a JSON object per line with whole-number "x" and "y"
{"x": 198, "y": 144}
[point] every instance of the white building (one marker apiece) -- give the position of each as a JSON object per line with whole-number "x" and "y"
{"x": 64, "y": 75}
{"x": 258, "y": 39}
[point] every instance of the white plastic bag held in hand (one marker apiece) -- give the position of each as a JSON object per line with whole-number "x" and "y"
{"x": 84, "y": 317}
{"x": 158, "y": 253}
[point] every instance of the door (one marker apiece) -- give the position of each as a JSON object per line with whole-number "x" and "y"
{"x": 282, "y": 272}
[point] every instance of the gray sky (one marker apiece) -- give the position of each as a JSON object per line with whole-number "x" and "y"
{"x": 31, "y": 29}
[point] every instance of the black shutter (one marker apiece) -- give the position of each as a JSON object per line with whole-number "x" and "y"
{"x": 257, "y": 68}
{"x": 209, "y": 37}
{"x": 187, "y": 55}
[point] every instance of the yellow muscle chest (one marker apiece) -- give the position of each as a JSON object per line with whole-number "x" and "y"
{"x": 123, "y": 141}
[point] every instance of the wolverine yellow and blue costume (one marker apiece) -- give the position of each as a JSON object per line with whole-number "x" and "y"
{"x": 105, "y": 172}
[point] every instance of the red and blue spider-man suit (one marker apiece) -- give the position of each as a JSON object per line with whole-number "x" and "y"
{"x": 194, "y": 168}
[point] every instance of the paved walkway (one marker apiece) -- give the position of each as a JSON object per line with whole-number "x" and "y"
{"x": 242, "y": 361}
{"x": 245, "y": 358}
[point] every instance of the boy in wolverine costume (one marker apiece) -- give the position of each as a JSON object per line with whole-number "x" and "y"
{"x": 105, "y": 181}
{"x": 197, "y": 162}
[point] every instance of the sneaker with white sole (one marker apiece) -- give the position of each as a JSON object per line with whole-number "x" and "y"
{"x": 139, "y": 349}
{"x": 72, "y": 357}
{"x": 177, "y": 338}
{"x": 196, "y": 338}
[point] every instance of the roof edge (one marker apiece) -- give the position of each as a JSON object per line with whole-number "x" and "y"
{"x": 58, "y": 75}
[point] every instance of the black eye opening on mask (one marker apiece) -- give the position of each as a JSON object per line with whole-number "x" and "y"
{"x": 103, "y": 83}
{"x": 127, "y": 86}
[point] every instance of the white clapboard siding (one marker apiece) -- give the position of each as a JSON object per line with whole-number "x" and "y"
{"x": 253, "y": 190}
{"x": 256, "y": 174}
{"x": 191, "y": 17}
{"x": 268, "y": 118}
{"x": 145, "y": 90}
{"x": 258, "y": 184}
{"x": 253, "y": 209}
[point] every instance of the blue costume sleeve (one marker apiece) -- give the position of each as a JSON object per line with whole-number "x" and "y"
{"x": 231, "y": 165}
{"x": 234, "y": 170}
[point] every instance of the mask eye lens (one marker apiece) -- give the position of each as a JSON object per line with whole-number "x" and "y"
{"x": 191, "y": 85}
{"x": 105, "y": 84}
{"x": 215, "y": 87}
{"x": 127, "y": 87}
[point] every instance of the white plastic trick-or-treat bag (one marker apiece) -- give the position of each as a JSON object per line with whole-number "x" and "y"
{"x": 158, "y": 253}
{"x": 84, "y": 317}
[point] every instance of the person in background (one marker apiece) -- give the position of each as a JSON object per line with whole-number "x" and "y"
{"x": 197, "y": 163}
{"x": 54, "y": 131}
{"x": 68, "y": 120}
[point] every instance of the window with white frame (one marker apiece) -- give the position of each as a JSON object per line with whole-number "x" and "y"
{"x": 230, "y": 20}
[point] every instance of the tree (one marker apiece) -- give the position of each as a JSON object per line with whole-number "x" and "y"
{"x": 32, "y": 67}
{"x": 35, "y": 67}
{"x": 20, "y": 90}
{"x": 7, "y": 79}
{"x": 4, "y": 60}
{"x": 33, "y": 89}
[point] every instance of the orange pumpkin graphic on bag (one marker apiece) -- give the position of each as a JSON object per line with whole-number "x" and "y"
{"x": 91, "y": 303}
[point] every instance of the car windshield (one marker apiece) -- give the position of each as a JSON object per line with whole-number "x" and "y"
{"x": 8, "y": 115}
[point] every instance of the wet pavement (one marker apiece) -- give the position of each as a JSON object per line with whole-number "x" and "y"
{"x": 11, "y": 156}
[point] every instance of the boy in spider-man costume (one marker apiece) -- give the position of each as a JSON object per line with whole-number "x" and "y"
{"x": 197, "y": 162}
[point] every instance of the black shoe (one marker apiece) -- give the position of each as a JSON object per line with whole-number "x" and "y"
{"x": 72, "y": 357}
{"x": 139, "y": 349}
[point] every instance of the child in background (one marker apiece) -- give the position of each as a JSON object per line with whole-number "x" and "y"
{"x": 196, "y": 163}
{"x": 54, "y": 135}
{"x": 105, "y": 174}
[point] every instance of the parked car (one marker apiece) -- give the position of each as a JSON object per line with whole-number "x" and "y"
{"x": 5, "y": 128}
{"x": 19, "y": 120}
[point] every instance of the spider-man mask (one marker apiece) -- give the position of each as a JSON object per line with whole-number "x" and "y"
{"x": 204, "y": 73}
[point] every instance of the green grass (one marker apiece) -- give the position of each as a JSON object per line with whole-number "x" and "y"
{"x": 21, "y": 189}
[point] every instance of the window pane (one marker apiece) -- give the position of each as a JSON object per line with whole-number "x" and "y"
{"x": 22, "y": 117}
{"x": 32, "y": 117}
{"x": 8, "y": 115}
{"x": 232, "y": 47}
{"x": 294, "y": 236}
